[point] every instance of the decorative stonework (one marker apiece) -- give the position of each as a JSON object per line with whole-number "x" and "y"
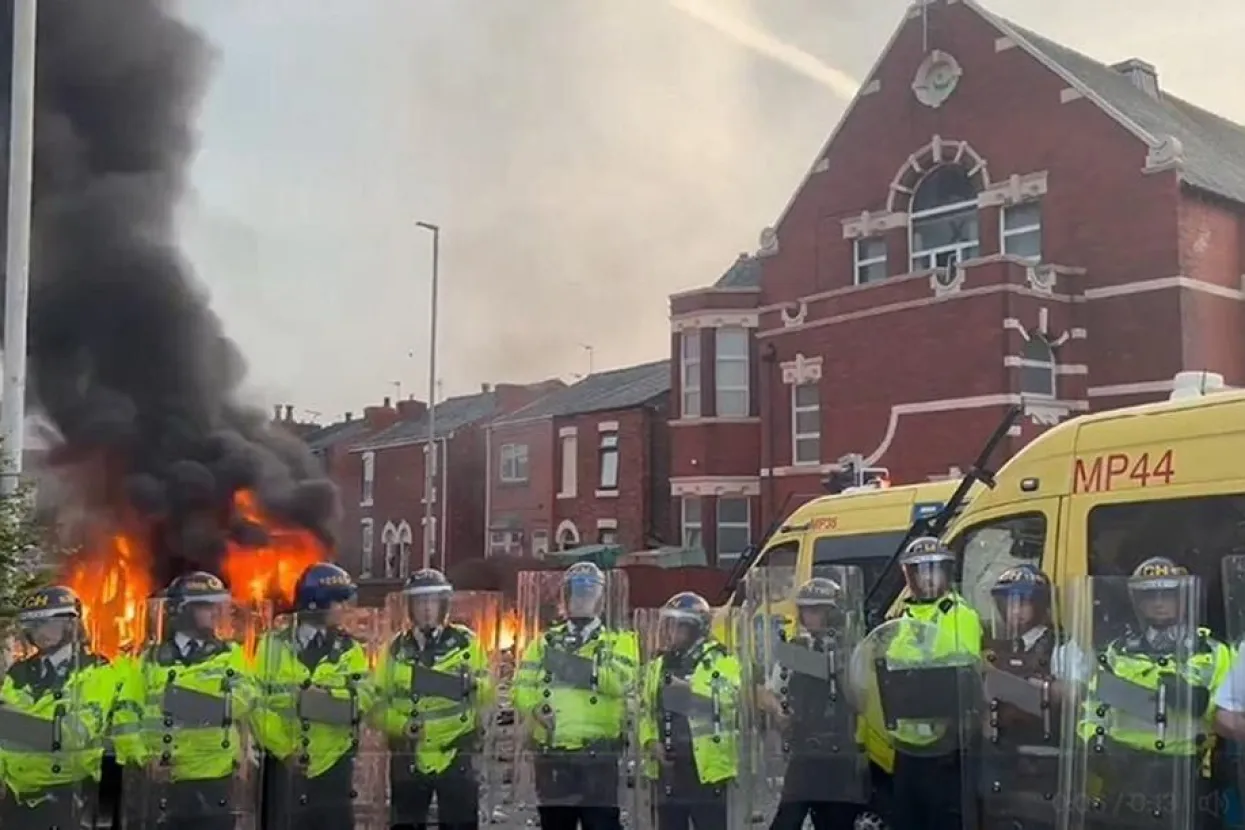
{"x": 1046, "y": 413}
{"x": 936, "y": 78}
{"x": 790, "y": 320}
{"x": 1041, "y": 278}
{"x": 768, "y": 243}
{"x": 1013, "y": 190}
{"x": 714, "y": 319}
{"x": 801, "y": 370}
{"x": 871, "y": 224}
{"x": 939, "y": 151}
{"x": 948, "y": 280}
{"x": 716, "y": 486}
{"x": 1168, "y": 154}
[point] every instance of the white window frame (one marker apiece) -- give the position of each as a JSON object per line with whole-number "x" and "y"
{"x": 540, "y": 543}
{"x": 746, "y": 525}
{"x": 389, "y": 550}
{"x": 859, "y": 264}
{"x": 686, "y": 525}
{"x": 1049, "y": 367}
{"x": 512, "y": 463}
{"x": 796, "y": 435}
{"x": 721, "y": 335}
{"x": 928, "y": 259}
{"x": 609, "y": 448}
{"x": 690, "y": 404}
{"x": 367, "y": 540}
{"x": 1006, "y": 233}
{"x": 568, "y": 485}
{"x": 607, "y": 532}
{"x": 367, "y": 484}
{"x": 406, "y": 538}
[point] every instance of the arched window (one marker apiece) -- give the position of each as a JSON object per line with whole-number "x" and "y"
{"x": 1037, "y": 368}
{"x": 389, "y": 541}
{"x": 404, "y": 548}
{"x": 943, "y": 219}
{"x": 568, "y": 535}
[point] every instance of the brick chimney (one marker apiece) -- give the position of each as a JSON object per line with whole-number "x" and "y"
{"x": 289, "y": 413}
{"x": 412, "y": 410}
{"x": 276, "y": 413}
{"x": 379, "y": 417}
{"x": 1143, "y": 75}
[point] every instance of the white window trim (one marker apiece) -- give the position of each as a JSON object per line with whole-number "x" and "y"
{"x": 796, "y": 435}
{"x": 1052, "y": 368}
{"x": 931, "y": 254}
{"x": 1005, "y": 233}
{"x": 389, "y": 547}
{"x": 367, "y": 541}
{"x": 858, "y": 263}
{"x": 568, "y": 486}
{"x": 510, "y": 452}
{"x": 540, "y": 543}
{"x": 602, "y": 450}
{"x": 746, "y": 360}
{"x": 699, "y": 524}
{"x": 719, "y": 524}
{"x": 367, "y": 486}
{"x": 686, "y": 363}
{"x": 569, "y": 531}
{"x": 406, "y": 540}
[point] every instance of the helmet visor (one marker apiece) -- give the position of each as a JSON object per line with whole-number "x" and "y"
{"x": 928, "y": 578}
{"x": 679, "y": 627}
{"x": 582, "y": 595}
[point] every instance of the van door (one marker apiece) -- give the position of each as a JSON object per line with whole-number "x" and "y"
{"x": 1014, "y": 534}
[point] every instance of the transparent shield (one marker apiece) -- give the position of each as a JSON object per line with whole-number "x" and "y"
{"x": 321, "y": 752}
{"x": 436, "y": 684}
{"x": 1135, "y": 715}
{"x": 1024, "y": 664}
{"x": 807, "y": 742}
{"x": 184, "y": 718}
{"x": 52, "y": 719}
{"x": 571, "y": 694}
{"x": 1231, "y": 711}
{"x": 695, "y": 728}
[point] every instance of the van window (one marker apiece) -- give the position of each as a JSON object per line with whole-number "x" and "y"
{"x": 785, "y": 555}
{"x": 871, "y": 552}
{"x": 987, "y": 549}
{"x": 1195, "y": 532}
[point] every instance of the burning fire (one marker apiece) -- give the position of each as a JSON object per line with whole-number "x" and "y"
{"x": 113, "y": 576}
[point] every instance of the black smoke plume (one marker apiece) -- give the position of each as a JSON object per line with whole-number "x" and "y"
{"x": 127, "y": 359}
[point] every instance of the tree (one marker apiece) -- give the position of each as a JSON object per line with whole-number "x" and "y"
{"x": 22, "y": 566}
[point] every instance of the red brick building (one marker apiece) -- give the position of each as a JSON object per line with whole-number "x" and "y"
{"x": 996, "y": 220}
{"x": 381, "y": 478}
{"x": 586, "y": 465}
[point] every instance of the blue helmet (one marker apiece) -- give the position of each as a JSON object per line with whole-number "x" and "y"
{"x": 323, "y": 584}
{"x": 198, "y": 587}
{"x": 50, "y": 602}
{"x": 1022, "y": 582}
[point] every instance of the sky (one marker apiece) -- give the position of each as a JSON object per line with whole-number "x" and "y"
{"x": 584, "y": 159}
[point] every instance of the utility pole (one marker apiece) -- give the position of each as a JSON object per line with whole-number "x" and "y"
{"x": 17, "y": 247}
{"x": 590, "y": 352}
{"x": 430, "y": 457}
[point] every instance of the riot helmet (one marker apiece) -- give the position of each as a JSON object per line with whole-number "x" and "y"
{"x": 49, "y": 617}
{"x": 685, "y": 620}
{"x": 1022, "y": 601}
{"x": 928, "y": 567}
{"x": 322, "y": 591}
{"x": 583, "y": 592}
{"x": 1158, "y": 589}
{"x": 427, "y": 595}
{"x": 195, "y": 602}
{"x": 819, "y": 605}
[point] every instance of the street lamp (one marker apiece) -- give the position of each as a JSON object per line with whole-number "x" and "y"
{"x": 430, "y": 461}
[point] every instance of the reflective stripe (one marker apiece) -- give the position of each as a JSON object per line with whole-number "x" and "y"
{"x": 126, "y": 729}
{"x": 700, "y": 729}
{"x": 454, "y": 711}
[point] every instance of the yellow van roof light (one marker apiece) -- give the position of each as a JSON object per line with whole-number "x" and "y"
{"x": 1188, "y": 385}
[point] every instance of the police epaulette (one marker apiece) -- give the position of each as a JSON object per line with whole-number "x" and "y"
{"x": 946, "y": 605}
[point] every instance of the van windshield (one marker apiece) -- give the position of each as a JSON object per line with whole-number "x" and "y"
{"x": 871, "y": 552}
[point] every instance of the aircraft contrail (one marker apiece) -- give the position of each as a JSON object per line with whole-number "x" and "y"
{"x": 837, "y": 81}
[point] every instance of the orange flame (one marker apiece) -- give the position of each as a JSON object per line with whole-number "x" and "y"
{"x": 269, "y": 572}
{"x": 113, "y": 580}
{"x": 508, "y": 635}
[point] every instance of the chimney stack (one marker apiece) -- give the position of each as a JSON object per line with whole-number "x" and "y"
{"x": 276, "y": 412}
{"x": 1143, "y": 75}
{"x": 349, "y": 417}
{"x": 289, "y": 413}
{"x": 485, "y": 388}
{"x": 387, "y": 403}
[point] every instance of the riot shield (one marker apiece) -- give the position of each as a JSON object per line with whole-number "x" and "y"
{"x": 801, "y": 641}
{"x": 1024, "y": 662}
{"x": 322, "y": 757}
{"x": 436, "y": 682}
{"x": 571, "y": 691}
{"x": 190, "y": 704}
{"x": 1134, "y": 728}
{"x": 695, "y": 727}
{"x": 51, "y": 711}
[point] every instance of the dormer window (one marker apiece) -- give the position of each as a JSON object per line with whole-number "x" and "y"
{"x": 943, "y": 219}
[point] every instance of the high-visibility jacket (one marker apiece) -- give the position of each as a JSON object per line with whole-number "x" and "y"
{"x": 141, "y": 732}
{"x": 445, "y": 724}
{"x": 713, "y": 722}
{"x": 957, "y": 641}
{"x": 588, "y": 706}
{"x": 77, "y": 700}
{"x": 343, "y": 672}
{"x": 1133, "y": 660}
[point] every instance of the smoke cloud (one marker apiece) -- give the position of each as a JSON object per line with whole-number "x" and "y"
{"x": 127, "y": 359}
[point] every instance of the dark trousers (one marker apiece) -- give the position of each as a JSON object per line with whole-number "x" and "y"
{"x": 929, "y": 792}
{"x": 191, "y": 805}
{"x": 703, "y": 807}
{"x": 573, "y": 818}
{"x": 61, "y": 808}
{"x": 578, "y": 789}
{"x": 294, "y": 802}
{"x": 457, "y": 792}
{"x": 813, "y": 787}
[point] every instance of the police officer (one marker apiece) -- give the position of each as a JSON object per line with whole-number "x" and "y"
{"x": 572, "y": 687}
{"x": 936, "y": 627}
{"x": 434, "y": 684}
{"x": 688, "y": 729}
{"x": 178, "y": 713}
{"x": 58, "y": 697}
{"x": 825, "y": 772}
{"x": 1151, "y": 762}
{"x": 316, "y": 687}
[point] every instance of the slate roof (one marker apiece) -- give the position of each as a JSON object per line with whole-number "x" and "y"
{"x": 452, "y": 414}
{"x": 600, "y": 392}
{"x": 1213, "y": 147}
{"x": 328, "y": 436}
{"x": 744, "y": 273}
